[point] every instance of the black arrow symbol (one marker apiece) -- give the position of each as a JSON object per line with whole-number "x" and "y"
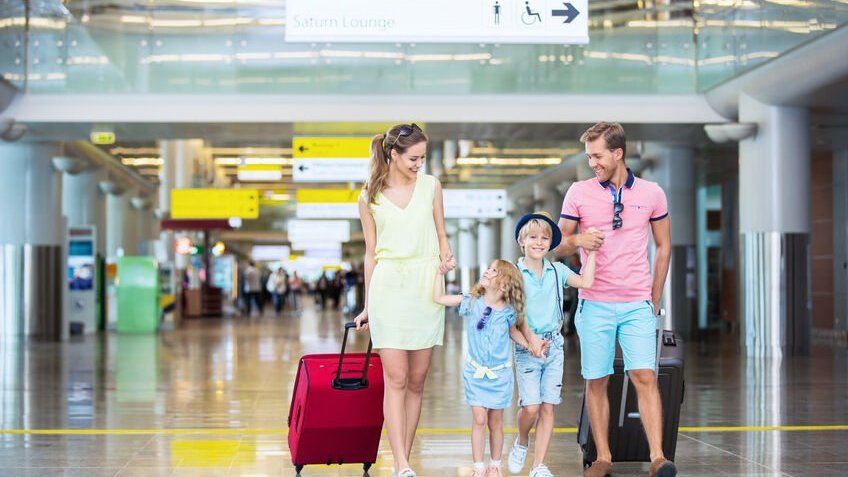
{"x": 302, "y": 167}
{"x": 302, "y": 148}
{"x": 570, "y": 13}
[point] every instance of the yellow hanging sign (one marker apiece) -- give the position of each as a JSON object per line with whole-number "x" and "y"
{"x": 214, "y": 203}
{"x": 327, "y": 196}
{"x": 331, "y": 147}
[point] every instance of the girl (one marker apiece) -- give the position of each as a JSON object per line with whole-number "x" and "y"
{"x": 405, "y": 246}
{"x": 493, "y": 312}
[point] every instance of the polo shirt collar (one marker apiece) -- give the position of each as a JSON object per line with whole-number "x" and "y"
{"x": 546, "y": 265}
{"x": 631, "y": 178}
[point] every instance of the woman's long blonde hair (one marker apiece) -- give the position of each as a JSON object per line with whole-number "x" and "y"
{"x": 509, "y": 278}
{"x": 399, "y": 138}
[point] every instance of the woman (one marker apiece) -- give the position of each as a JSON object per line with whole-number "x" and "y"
{"x": 405, "y": 246}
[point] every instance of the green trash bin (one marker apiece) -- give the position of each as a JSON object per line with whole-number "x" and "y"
{"x": 138, "y": 295}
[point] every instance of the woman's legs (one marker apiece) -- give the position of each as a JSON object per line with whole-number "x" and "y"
{"x": 419, "y": 365}
{"x": 478, "y": 432}
{"x": 395, "y": 375}
{"x": 496, "y": 434}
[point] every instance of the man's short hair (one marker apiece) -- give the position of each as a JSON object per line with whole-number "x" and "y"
{"x": 612, "y": 133}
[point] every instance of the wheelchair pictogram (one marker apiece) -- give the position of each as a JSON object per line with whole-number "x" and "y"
{"x": 528, "y": 16}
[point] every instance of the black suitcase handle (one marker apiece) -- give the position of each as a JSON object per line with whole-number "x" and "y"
{"x": 352, "y": 384}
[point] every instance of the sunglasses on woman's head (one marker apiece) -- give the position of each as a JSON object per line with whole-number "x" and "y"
{"x": 404, "y": 131}
{"x": 486, "y": 313}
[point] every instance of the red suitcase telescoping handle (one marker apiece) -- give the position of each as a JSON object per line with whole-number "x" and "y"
{"x": 352, "y": 384}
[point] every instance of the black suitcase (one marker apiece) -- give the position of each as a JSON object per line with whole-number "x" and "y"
{"x": 628, "y": 442}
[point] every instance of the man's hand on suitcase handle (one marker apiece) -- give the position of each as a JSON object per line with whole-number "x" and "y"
{"x": 361, "y": 321}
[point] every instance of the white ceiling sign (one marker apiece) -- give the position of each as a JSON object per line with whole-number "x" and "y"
{"x": 270, "y": 252}
{"x": 330, "y": 170}
{"x": 334, "y": 255}
{"x": 316, "y": 245}
{"x": 438, "y": 21}
{"x": 318, "y": 230}
{"x": 327, "y": 211}
{"x": 474, "y": 203}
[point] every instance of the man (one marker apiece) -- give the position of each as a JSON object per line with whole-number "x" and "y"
{"x": 625, "y": 299}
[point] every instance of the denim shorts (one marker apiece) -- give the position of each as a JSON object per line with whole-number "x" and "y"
{"x": 540, "y": 379}
{"x": 599, "y": 323}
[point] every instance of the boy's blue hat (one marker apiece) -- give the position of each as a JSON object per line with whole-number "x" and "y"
{"x": 556, "y": 235}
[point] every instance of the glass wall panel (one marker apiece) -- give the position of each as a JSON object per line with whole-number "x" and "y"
{"x": 13, "y": 42}
{"x": 238, "y": 47}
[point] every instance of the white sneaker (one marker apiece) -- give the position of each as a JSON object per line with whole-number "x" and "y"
{"x": 541, "y": 470}
{"x": 517, "y": 456}
{"x": 407, "y": 472}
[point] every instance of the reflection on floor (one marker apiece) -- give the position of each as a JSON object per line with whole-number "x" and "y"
{"x": 211, "y": 398}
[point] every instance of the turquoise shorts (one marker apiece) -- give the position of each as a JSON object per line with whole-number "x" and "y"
{"x": 598, "y": 323}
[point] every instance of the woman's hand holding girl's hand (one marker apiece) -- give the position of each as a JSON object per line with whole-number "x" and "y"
{"x": 361, "y": 321}
{"x": 448, "y": 264}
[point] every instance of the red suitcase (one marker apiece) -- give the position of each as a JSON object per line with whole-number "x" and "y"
{"x": 336, "y": 413}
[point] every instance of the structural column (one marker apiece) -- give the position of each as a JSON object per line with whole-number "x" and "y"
{"x": 84, "y": 205}
{"x": 774, "y": 225}
{"x": 177, "y": 172}
{"x": 547, "y": 199}
{"x": 32, "y": 268}
{"x": 147, "y": 228}
{"x": 466, "y": 256}
{"x": 674, "y": 171}
{"x": 840, "y": 238}
{"x": 486, "y": 243}
{"x": 508, "y": 247}
{"x": 115, "y": 209}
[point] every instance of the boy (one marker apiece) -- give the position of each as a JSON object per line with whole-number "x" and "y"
{"x": 540, "y": 378}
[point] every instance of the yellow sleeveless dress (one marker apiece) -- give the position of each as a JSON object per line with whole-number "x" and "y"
{"x": 401, "y": 310}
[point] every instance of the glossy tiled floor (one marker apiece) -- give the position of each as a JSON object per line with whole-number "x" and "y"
{"x": 211, "y": 399}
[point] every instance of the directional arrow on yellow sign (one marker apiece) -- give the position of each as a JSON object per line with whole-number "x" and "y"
{"x": 331, "y": 147}
{"x": 214, "y": 203}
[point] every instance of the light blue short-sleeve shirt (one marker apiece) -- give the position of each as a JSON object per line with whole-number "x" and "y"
{"x": 543, "y": 309}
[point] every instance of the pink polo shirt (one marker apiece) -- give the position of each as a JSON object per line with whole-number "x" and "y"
{"x": 623, "y": 273}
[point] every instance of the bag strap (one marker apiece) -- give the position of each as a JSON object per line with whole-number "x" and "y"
{"x": 558, "y": 293}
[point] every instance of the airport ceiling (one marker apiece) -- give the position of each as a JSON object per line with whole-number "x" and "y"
{"x": 519, "y": 150}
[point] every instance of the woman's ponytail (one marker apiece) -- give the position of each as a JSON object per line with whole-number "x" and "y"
{"x": 379, "y": 168}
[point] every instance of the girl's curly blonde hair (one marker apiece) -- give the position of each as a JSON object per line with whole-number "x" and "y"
{"x": 510, "y": 280}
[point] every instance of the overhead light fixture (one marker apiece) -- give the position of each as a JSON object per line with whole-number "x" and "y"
{"x": 141, "y": 161}
{"x": 509, "y": 161}
{"x": 730, "y": 131}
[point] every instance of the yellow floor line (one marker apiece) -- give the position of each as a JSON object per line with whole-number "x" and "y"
{"x": 558, "y": 430}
